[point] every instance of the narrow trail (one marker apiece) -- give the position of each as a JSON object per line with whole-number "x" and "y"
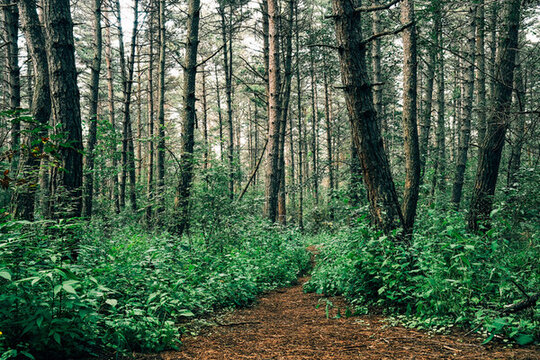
{"x": 286, "y": 324}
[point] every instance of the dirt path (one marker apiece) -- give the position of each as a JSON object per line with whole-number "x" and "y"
{"x": 285, "y": 324}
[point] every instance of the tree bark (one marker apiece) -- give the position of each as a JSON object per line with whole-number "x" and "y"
{"x": 161, "y": 109}
{"x": 93, "y": 111}
{"x": 299, "y": 122}
{"x": 274, "y": 113}
{"x": 384, "y": 206}
{"x": 188, "y": 139}
{"x": 65, "y": 102}
{"x": 491, "y": 151}
{"x": 41, "y": 109}
{"x": 481, "y": 70}
{"x": 410, "y": 130}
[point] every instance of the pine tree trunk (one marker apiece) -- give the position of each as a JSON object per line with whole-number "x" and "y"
{"x": 65, "y": 102}
{"x": 274, "y": 113}
{"x": 468, "y": 87}
{"x": 93, "y": 112}
{"x": 314, "y": 124}
{"x": 481, "y": 71}
{"x": 188, "y": 138}
{"x": 384, "y": 206}
{"x": 299, "y": 123}
{"x": 161, "y": 109}
{"x": 410, "y": 130}
{"x": 40, "y": 106}
{"x": 518, "y": 127}
{"x": 491, "y": 151}
{"x": 150, "y": 126}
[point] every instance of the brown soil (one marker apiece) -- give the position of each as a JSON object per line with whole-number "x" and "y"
{"x": 286, "y": 324}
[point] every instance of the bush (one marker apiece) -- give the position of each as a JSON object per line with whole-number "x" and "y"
{"x": 448, "y": 277}
{"x": 129, "y": 289}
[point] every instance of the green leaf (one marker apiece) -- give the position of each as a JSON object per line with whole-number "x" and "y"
{"x": 68, "y": 288}
{"x": 5, "y": 275}
{"x": 489, "y": 338}
{"x": 112, "y": 302}
{"x": 524, "y": 339}
{"x": 56, "y": 337}
{"x": 28, "y": 355}
{"x": 185, "y": 312}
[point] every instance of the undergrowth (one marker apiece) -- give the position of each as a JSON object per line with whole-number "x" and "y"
{"x": 448, "y": 277}
{"x": 129, "y": 290}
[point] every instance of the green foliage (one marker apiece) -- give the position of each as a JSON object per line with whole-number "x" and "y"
{"x": 129, "y": 290}
{"x": 448, "y": 277}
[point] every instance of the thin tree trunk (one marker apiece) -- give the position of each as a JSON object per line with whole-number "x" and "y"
{"x": 466, "y": 115}
{"x": 161, "y": 109}
{"x": 299, "y": 124}
{"x": 491, "y": 151}
{"x": 11, "y": 33}
{"x": 315, "y": 121}
{"x": 188, "y": 139}
{"x": 376, "y": 63}
{"x": 220, "y": 118}
{"x": 41, "y": 109}
{"x": 205, "y": 122}
{"x": 328, "y": 118}
{"x": 410, "y": 130}
{"x": 93, "y": 112}
{"x": 518, "y": 127}
{"x": 150, "y": 126}
{"x": 481, "y": 71}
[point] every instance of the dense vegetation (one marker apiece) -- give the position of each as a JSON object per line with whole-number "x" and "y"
{"x": 162, "y": 160}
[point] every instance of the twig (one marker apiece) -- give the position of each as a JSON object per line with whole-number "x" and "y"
{"x": 376, "y": 7}
{"x": 385, "y": 33}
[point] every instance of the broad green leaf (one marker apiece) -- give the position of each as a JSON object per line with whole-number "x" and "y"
{"x": 5, "y": 275}
{"x": 112, "y": 302}
{"x": 69, "y": 289}
{"x": 524, "y": 339}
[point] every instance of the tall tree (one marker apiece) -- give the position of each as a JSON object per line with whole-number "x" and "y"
{"x": 384, "y": 206}
{"x": 468, "y": 90}
{"x": 188, "y": 126}
{"x": 65, "y": 102}
{"x": 491, "y": 150}
{"x": 93, "y": 112}
{"x": 150, "y": 126}
{"x": 412, "y": 152}
{"x": 161, "y": 105}
{"x": 481, "y": 70}
{"x": 274, "y": 113}
{"x": 11, "y": 33}
{"x": 41, "y": 108}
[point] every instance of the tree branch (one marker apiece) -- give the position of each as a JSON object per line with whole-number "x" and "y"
{"x": 376, "y": 7}
{"x": 385, "y": 33}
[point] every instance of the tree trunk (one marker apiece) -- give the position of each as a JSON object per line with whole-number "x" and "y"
{"x": 93, "y": 112}
{"x": 328, "y": 119}
{"x": 41, "y": 109}
{"x": 518, "y": 127}
{"x": 188, "y": 139}
{"x": 439, "y": 171}
{"x": 65, "y": 102}
{"x": 299, "y": 124}
{"x": 150, "y": 126}
{"x": 466, "y": 115}
{"x": 11, "y": 33}
{"x": 481, "y": 71}
{"x": 161, "y": 109}
{"x": 284, "y": 102}
{"x": 410, "y": 130}
{"x": 490, "y": 153}
{"x": 376, "y": 64}
{"x": 274, "y": 113}
{"x": 314, "y": 124}
{"x": 384, "y": 206}
{"x": 205, "y": 122}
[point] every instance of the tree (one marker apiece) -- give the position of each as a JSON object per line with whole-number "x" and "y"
{"x": 65, "y": 102}
{"x": 41, "y": 109}
{"x": 188, "y": 128}
{"x": 274, "y": 113}
{"x": 161, "y": 106}
{"x": 497, "y": 122}
{"x": 384, "y": 207}
{"x": 465, "y": 131}
{"x": 94, "y": 98}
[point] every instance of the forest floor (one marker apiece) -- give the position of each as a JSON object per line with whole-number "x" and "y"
{"x": 289, "y": 324}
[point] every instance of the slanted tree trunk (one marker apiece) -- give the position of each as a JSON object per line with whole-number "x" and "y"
{"x": 384, "y": 206}
{"x": 274, "y": 113}
{"x": 468, "y": 90}
{"x": 65, "y": 102}
{"x": 491, "y": 151}
{"x": 188, "y": 140}
{"x": 410, "y": 130}
{"x": 41, "y": 109}
{"x": 93, "y": 112}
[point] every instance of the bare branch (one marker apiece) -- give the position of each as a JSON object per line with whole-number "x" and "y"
{"x": 389, "y": 32}
{"x": 376, "y": 7}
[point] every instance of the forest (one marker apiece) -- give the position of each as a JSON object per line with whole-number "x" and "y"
{"x": 269, "y": 179}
